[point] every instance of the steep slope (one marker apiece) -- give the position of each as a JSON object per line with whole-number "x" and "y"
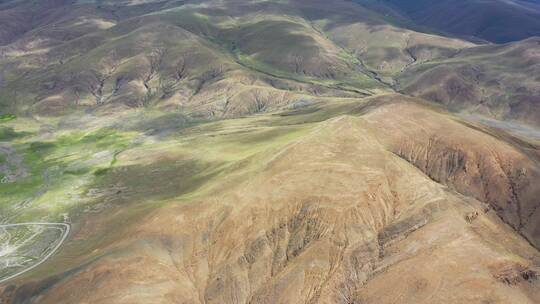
{"x": 213, "y": 59}
{"x": 499, "y": 81}
{"x": 467, "y": 161}
{"x": 383, "y": 45}
{"x": 175, "y": 55}
{"x": 387, "y": 50}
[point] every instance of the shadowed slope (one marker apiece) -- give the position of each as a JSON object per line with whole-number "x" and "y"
{"x": 497, "y": 21}
{"x": 500, "y": 81}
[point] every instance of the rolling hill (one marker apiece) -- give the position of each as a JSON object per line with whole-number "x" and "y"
{"x": 247, "y": 151}
{"x": 495, "y": 80}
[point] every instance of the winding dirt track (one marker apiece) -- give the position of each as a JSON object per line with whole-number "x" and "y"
{"x": 46, "y": 257}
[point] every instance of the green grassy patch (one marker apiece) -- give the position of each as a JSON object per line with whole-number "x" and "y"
{"x": 58, "y": 168}
{"x": 7, "y": 117}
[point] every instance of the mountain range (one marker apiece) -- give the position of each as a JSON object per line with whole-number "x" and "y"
{"x": 279, "y": 151}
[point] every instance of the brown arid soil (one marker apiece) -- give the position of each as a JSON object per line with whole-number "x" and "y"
{"x": 362, "y": 208}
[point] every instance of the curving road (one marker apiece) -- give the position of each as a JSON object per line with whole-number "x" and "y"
{"x": 46, "y": 257}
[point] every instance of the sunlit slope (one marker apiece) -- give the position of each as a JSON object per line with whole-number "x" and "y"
{"x": 233, "y": 58}
{"x": 318, "y": 204}
{"x": 179, "y": 56}
{"x": 211, "y": 58}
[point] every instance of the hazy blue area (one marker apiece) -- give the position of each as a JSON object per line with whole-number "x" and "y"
{"x": 498, "y": 21}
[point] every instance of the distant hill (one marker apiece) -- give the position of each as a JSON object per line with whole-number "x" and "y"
{"x": 496, "y": 21}
{"x": 494, "y": 80}
{"x": 233, "y": 59}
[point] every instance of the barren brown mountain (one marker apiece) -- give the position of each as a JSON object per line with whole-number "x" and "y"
{"x": 264, "y": 152}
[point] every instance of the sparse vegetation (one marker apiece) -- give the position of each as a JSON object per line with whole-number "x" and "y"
{"x": 259, "y": 152}
{"x": 7, "y": 117}
{"x": 8, "y": 133}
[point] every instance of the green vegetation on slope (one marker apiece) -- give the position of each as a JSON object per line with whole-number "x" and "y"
{"x": 7, "y": 117}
